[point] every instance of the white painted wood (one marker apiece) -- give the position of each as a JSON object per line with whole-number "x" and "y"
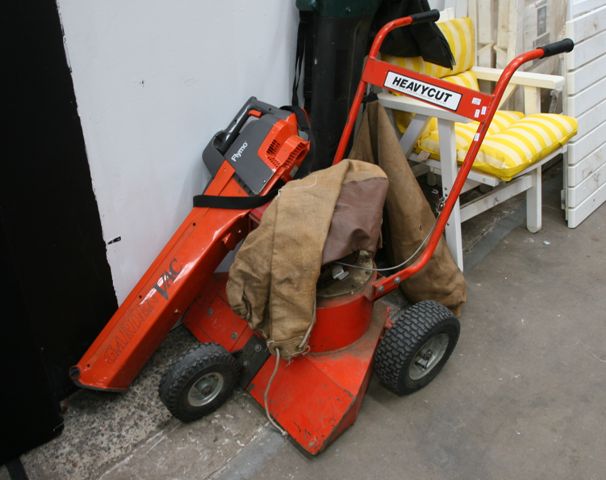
{"x": 457, "y": 7}
{"x": 581, "y": 78}
{"x": 461, "y": 8}
{"x": 586, "y": 51}
{"x": 585, "y": 163}
{"x": 532, "y": 100}
{"x": 579, "y": 7}
{"x": 503, "y": 33}
{"x": 531, "y": 79}
{"x": 585, "y": 189}
{"x": 587, "y": 25}
{"x": 448, "y": 160}
{"x": 509, "y": 90}
{"x": 591, "y": 119}
{"x": 579, "y": 149}
{"x": 576, "y": 215}
{"x": 483, "y": 18}
{"x": 412, "y": 133}
{"x": 534, "y": 220}
{"x": 419, "y": 169}
{"x": 578, "y": 172}
{"x": 583, "y": 101}
{"x": 474, "y": 175}
{"x": 500, "y": 194}
{"x": 447, "y": 14}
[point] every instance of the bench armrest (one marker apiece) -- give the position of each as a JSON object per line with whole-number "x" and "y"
{"x": 527, "y": 79}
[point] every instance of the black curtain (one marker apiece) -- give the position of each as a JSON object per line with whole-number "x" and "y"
{"x": 59, "y": 291}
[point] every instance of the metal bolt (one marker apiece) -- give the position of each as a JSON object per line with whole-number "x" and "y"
{"x": 210, "y": 311}
{"x": 258, "y": 348}
{"x": 397, "y": 280}
{"x": 177, "y": 311}
{"x": 381, "y": 288}
{"x": 234, "y": 335}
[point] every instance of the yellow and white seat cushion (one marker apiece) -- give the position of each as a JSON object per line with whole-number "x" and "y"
{"x": 513, "y": 142}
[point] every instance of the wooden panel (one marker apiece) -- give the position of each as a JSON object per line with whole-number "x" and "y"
{"x": 586, "y": 144}
{"x": 586, "y": 51}
{"x": 584, "y": 189}
{"x": 586, "y": 76}
{"x": 576, "y": 215}
{"x": 578, "y": 104}
{"x": 586, "y": 166}
{"x": 579, "y": 7}
{"x": 585, "y": 170}
{"x": 591, "y": 119}
{"x": 585, "y": 26}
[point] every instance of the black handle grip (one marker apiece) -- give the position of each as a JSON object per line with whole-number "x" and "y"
{"x": 560, "y": 46}
{"x": 424, "y": 17}
{"x": 225, "y": 138}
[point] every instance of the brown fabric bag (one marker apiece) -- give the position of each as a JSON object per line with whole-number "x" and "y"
{"x": 409, "y": 216}
{"x": 321, "y": 218}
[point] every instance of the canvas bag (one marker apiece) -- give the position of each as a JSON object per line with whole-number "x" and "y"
{"x": 323, "y": 217}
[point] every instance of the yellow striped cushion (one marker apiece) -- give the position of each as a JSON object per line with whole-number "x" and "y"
{"x": 459, "y": 33}
{"x": 429, "y": 140}
{"x": 512, "y": 143}
{"x": 466, "y": 79}
{"x": 526, "y": 141}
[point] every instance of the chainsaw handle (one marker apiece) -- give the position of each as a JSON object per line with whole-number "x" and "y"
{"x": 223, "y": 140}
{"x": 561, "y": 46}
{"x": 425, "y": 17}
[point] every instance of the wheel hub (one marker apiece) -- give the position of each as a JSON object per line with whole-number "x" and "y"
{"x": 205, "y": 389}
{"x": 428, "y": 356}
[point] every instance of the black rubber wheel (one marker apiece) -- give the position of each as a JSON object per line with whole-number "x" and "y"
{"x": 199, "y": 382}
{"x": 414, "y": 350}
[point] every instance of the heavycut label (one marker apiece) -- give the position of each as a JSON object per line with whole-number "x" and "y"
{"x": 423, "y": 91}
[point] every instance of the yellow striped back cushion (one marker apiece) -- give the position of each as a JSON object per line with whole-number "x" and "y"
{"x": 459, "y": 33}
{"x": 513, "y": 142}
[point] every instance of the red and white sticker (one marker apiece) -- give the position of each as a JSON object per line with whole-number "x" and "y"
{"x": 423, "y": 91}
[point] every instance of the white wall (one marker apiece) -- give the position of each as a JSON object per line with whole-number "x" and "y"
{"x": 154, "y": 80}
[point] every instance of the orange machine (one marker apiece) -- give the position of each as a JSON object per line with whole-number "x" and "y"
{"x": 314, "y": 397}
{"x": 259, "y": 149}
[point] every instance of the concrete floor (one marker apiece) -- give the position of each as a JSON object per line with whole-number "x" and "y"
{"x": 524, "y": 395}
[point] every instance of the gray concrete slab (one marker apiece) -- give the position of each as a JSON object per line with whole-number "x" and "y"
{"x": 524, "y": 395}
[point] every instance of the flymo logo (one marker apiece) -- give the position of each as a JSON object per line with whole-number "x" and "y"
{"x": 424, "y": 91}
{"x": 236, "y": 156}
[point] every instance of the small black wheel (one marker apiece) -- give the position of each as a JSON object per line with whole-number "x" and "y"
{"x": 199, "y": 382}
{"x": 414, "y": 350}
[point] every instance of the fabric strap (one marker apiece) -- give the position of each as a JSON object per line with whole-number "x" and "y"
{"x": 236, "y": 203}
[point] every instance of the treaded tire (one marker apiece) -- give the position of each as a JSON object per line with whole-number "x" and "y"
{"x": 205, "y": 362}
{"x": 413, "y": 327}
